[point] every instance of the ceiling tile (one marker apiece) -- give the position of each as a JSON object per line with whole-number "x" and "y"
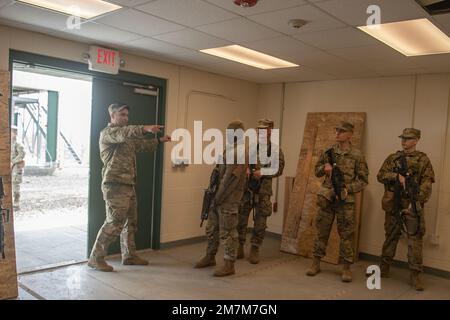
{"x": 139, "y": 22}
{"x": 443, "y": 22}
{"x": 391, "y": 64}
{"x": 354, "y": 12}
{"x": 241, "y": 71}
{"x": 198, "y": 58}
{"x": 192, "y": 39}
{"x": 103, "y": 33}
{"x": 337, "y": 38}
{"x": 262, "y": 6}
{"x": 130, "y": 3}
{"x": 388, "y": 72}
{"x": 345, "y": 69}
{"x": 432, "y": 61}
{"x": 190, "y": 13}
{"x": 239, "y": 30}
{"x": 364, "y": 53}
{"x": 5, "y": 2}
{"x": 282, "y": 47}
{"x": 278, "y": 20}
{"x": 302, "y": 74}
{"x": 156, "y": 46}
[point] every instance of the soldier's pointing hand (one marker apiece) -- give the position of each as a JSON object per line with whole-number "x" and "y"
{"x": 165, "y": 139}
{"x": 152, "y": 128}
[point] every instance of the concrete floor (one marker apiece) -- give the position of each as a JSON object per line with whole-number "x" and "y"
{"x": 170, "y": 275}
{"x": 37, "y": 248}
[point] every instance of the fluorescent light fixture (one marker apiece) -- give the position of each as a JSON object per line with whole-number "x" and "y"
{"x": 86, "y": 9}
{"x": 412, "y": 38}
{"x": 249, "y": 57}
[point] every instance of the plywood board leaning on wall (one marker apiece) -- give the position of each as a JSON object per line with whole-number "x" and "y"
{"x": 8, "y": 273}
{"x": 299, "y": 229}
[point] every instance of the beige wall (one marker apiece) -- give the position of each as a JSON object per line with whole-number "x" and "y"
{"x": 391, "y": 104}
{"x": 214, "y": 99}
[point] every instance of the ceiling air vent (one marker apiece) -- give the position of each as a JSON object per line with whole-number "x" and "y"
{"x": 435, "y": 6}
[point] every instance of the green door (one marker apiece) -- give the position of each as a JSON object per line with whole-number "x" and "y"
{"x": 143, "y": 110}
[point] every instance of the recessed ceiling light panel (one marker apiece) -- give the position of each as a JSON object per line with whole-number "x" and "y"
{"x": 86, "y": 9}
{"x": 411, "y": 38}
{"x": 249, "y": 57}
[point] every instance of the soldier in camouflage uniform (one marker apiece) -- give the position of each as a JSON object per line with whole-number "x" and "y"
{"x": 421, "y": 170}
{"x": 223, "y": 215}
{"x": 259, "y": 200}
{"x": 17, "y": 163}
{"x": 119, "y": 143}
{"x": 354, "y": 167}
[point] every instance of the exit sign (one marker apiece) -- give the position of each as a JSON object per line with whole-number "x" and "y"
{"x": 104, "y": 60}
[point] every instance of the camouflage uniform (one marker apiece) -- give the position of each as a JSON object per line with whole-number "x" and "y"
{"x": 118, "y": 148}
{"x": 263, "y": 204}
{"x": 420, "y": 168}
{"x": 222, "y": 221}
{"x": 17, "y": 158}
{"x": 354, "y": 167}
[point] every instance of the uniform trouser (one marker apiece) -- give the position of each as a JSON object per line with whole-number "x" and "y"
{"x": 221, "y": 228}
{"x": 392, "y": 228}
{"x": 345, "y": 215}
{"x": 121, "y": 219}
{"x": 16, "y": 181}
{"x": 263, "y": 209}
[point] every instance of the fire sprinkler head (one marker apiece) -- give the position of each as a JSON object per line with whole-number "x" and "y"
{"x": 297, "y": 23}
{"x": 245, "y": 3}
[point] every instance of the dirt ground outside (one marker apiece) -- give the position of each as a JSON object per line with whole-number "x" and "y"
{"x": 51, "y": 225}
{"x": 59, "y": 199}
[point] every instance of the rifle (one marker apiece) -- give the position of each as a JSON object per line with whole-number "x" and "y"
{"x": 253, "y": 187}
{"x": 337, "y": 177}
{"x": 210, "y": 193}
{"x": 411, "y": 191}
{"x": 4, "y": 217}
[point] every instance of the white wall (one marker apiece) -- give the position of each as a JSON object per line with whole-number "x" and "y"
{"x": 391, "y": 104}
{"x": 218, "y": 100}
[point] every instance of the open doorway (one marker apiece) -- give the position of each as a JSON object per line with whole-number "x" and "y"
{"x": 51, "y": 117}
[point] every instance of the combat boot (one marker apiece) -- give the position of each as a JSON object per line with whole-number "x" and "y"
{"x": 253, "y": 257}
{"x": 135, "y": 261}
{"x": 315, "y": 267}
{"x": 16, "y": 202}
{"x": 416, "y": 282}
{"x": 99, "y": 264}
{"x": 226, "y": 270}
{"x": 346, "y": 273}
{"x": 240, "y": 253}
{"x": 385, "y": 268}
{"x": 206, "y": 261}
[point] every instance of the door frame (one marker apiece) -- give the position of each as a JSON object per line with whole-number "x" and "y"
{"x": 123, "y": 76}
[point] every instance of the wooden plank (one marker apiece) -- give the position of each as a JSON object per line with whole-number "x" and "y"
{"x": 288, "y": 186}
{"x": 300, "y": 186}
{"x": 299, "y": 231}
{"x": 8, "y": 272}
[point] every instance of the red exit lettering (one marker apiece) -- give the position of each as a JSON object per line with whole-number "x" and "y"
{"x": 107, "y": 57}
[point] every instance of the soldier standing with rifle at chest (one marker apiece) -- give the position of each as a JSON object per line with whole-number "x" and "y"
{"x": 17, "y": 166}
{"x": 407, "y": 177}
{"x": 228, "y": 181}
{"x": 346, "y": 174}
{"x": 257, "y": 198}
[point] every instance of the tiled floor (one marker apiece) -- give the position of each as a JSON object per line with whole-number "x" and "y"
{"x": 170, "y": 275}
